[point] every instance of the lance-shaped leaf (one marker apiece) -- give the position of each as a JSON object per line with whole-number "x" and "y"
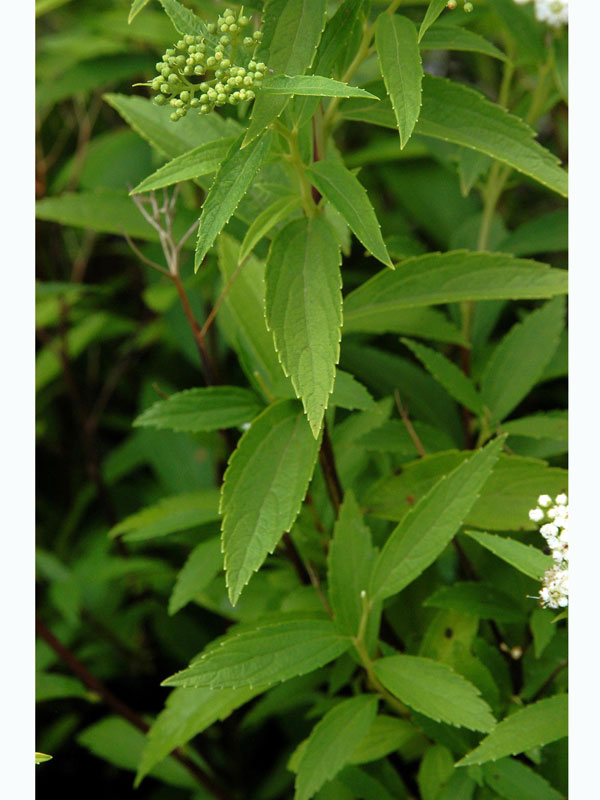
{"x": 545, "y": 234}
{"x": 481, "y": 600}
{"x": 527, "y": 559}
{"x": 263, "y": 488}
{"x": 187, "y": 713}
{"x": 185, "y": 21}
{"x": 332, "y": 742}
{"x": 315, "y": 85}
{"x": 264, "y": 654}
{"x": 387, "y": 735}
{"x": 303, "y": 304}
{"x": 201, "y": 161}
{"x": 451, "y": 277}
{"x": 514, "y": 780}
{"x": 435, "y": 771}
{"x": 136, "y": 7}
{"x": 434, "y": 9}
{"x": 456, "y": 383}
{"x": 435, "y": 690}
{"x": 400, "y": 64}
{"x": 351, "y": 557}
{"x": 203, "y": 564}
{"x": 205, "y": 409}
{"x": 518, "y": 362}
{"x": 533, "y": 726}
{"x": 265, "y": 222}
{"x": 430, "y": 525}
{"x": 346, "y": 194}
{"x": 453, "y": 37}
{"x": 456, "y": 113}
{"x": 291, "y": 33}
{"x": 169, "y": 515}
{"x": 231, "y": 183}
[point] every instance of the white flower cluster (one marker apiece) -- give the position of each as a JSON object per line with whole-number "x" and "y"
{"x": 553, "y": 12}
{"x": 555, "y": 530}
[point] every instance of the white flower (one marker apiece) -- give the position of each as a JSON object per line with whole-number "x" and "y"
{"x": 554, "y": 592}
{"x": 522, "y": 2}
{"x": 536, "y": 515}
{"x": 549, "y": 529}
{"x": 544, "y": 500}
{"x": 554, "y": 12}
{"x": 561, "y": 499}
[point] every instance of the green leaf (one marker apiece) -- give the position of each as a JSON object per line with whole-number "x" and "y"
{"x": 435, "y": 770}
{"x": 136, "y": 7}
{"x": 435, "y": 690}
{"x": 263, "y": 488}
{"x": 360, "y": 783}
{"x": 201, "y": 161}
{"x": 518, "y": 362}
{"x": 386, "y": 735}
{"x": 291, "y": 33}
{"x": 106, "y": 211}
{"x": 346, "y": 194}
{"x": 514, "y": 780}
{"x": 265, "y": 654}
{"x": 553, "y": 425}
{"x": 187, "y": 713}
{"x": 303, "y": 306}
{"x": 169, "y": 515}
{"x": 332, "y": 742}
{"x": 350, "y": 560}
{"x": 265, "y": 222}
{"x": 430, "y": 525}
{"x": 154, "y": 125}
{"x": 393, "y": 437}
{"x": 457, "y": 113}
{"x": 314, "y": 85}
{"x": 203, "y": 564}
{"x": 40, "y": 758}
{"x": 527, "y": 559}
{"x": 51, "y": 685}
{"x": 454, "y": 37}
{"x": 119, "y": 743}
{"x": 478, "y": 599}
{"x": 451, "y": 277}
{"x": 456, "y": 383}
{"x": 206, "y": 409}
{"x": 460, "y": 787}
{"x": 523, "y": 28}
{"x": 434, "y": 9}
{"x": 533, "y": 726}
{"x": 400, "y": 64}
{"x": 242, "y": 317}
{"x": 349, "y": 393}
{"x": 546, "y": 234}
{"x": 184, "y": 20}
{"x": 231, "y": 183}
{"x": 504, "y": 502}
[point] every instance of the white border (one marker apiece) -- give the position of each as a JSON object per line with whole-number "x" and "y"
{"x": 17, "y": 410}
{"x": 584, "y": 312}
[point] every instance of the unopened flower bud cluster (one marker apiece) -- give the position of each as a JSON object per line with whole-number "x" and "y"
{"x": 194, "y": 74}
{"x": 554, "y": 12}
{"x": 554, "y": 518}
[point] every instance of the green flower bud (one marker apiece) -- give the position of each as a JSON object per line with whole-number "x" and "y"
{"x": 224, "y": 28}
{"x": 250, "y": 95}
{"x": 248, "y": 80}
{"x": 204, "y": 87}
{"x": 242, "y": 94}
{"x": 198, "y": 70}
{"x": 165, "y": 88}
{"x": 180, "y": 60}
{"x": 211, "y": 27}
{"x": 229, "y": 18}
{"x": 160, "y": 99}
{"x": 188, "y": 70}
{"x": 225, "y": 39}
{"x": 211, "y": 61}
{"x": 180, "y": 45}
{"x": 160, "y": 65}
{"x": 192, "y": 49}
{"x": 252, "y": 65}
{"x": 234, "y": 28}
{"x": 165, "y": 72}
{"x": 194, "y": 102}
{"x": 243, "y": 21}
{"x": 174, "y": 116}
{"x": 218, "y": 55}
{"x": 185, "y": 96}
{"x": 226, "y": 63}
{"x": 241, "y": 72}
{"x": 212, "y": 95}
{"x": 205, "y": 109}
{"x": 173, "y": 78}
{"x": 204, "y": 99}
{"x": 181, "y": 112}
{"x": 228, "y": 12}
{"x": 257, "y": 36}
{"x": 258, "y": 76}
{"x": 248, "y": 41}
{"x": 169, "y": 52}
{"x": 260, "y": 66}
{"x": 221, "y": 99}
{"x": 189, "y": 39}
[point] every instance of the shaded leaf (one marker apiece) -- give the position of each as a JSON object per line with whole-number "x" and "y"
{"x": 527, "y": 559}
{"x": 203, "y": 564}
{"x": 514, "y": 780}
{"x": 435, "y": 770}
{"x": 386, "y": 735}
{"x": 169, "y": 515}
{"x": 434, "y": 9}
{"x": 265, "y": 222}
{"x": 478, "y": 599}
